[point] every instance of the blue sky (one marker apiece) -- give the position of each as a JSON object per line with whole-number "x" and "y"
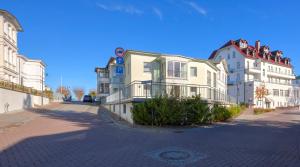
{"x": 75, "y": 36}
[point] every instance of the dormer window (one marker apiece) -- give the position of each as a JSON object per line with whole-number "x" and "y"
{"x": 243, "y": 44}
{"x": 253, "y": 53}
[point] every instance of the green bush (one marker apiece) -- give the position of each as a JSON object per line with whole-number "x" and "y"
{"x": 262, "y": 110}
{"x": 220, "y": 113}
{"x": 235, "y": 110}
{"x": 165, "y": 110}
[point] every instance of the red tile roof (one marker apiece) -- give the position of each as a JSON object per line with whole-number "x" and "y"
{"x": 248, "y": 53}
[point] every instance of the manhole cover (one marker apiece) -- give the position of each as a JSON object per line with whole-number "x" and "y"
{"x": 176, "y": 156}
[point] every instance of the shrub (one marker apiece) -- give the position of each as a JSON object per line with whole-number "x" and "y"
{"x": 220, "y": 113}
{"x": 262, "y": 110}
{"x": 166, "y": 110}
{"x": 234, "y": 110}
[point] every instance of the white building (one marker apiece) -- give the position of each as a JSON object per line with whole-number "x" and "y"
{"x": 253, "y": 67}
{"x": 14, "y": 67}
{"x": 31, "y": 73}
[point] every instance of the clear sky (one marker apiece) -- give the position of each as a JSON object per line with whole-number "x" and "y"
{"x": 74, "y": 36}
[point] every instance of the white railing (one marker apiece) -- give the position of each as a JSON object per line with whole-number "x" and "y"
{"x": 142, "y": 91}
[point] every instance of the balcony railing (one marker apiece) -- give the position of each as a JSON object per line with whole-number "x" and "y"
{"x": 280, "y": 72}
{"x": 141, "y": 91}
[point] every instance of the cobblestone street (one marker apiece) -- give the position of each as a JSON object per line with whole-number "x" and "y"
{"x": 71, "y": 135}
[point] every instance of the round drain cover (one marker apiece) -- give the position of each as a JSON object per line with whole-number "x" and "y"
{"x": 174, "y": 155}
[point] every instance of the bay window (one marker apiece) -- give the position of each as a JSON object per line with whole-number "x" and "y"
{"x": 177, "y": 69}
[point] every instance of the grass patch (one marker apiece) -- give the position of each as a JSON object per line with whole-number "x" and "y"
{"x": 262, "y": 110}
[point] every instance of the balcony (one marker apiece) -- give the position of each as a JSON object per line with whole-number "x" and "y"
{"x": 280, "y": 74}
{"x": 255, "y": 70}
{"x": 139, "y": 91}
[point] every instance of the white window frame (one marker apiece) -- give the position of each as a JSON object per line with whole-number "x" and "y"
{"x": 193, "y": 71}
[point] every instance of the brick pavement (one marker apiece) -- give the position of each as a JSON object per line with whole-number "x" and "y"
{"x": 71, "y": 135}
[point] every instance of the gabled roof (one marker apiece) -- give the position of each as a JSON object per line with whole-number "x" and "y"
{"x": 252, "y": 53}
{"x": 12, "y": 18}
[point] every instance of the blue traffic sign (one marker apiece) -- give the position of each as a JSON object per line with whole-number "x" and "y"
{"x": 119, "y": 70}
{"x": 120, "y": 60}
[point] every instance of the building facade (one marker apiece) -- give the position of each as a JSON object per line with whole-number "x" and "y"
{"x": 256, "y": 68}
{"x": 147, "y": 75}
{"x": 14, "y": 67}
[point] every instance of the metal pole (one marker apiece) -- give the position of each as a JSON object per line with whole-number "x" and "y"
{"x": 42, "y": 87}
{"x": 120, "y": 100}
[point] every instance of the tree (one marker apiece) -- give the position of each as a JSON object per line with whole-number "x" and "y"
{"x": 261, "y": 92}
{"x": 93, "y": 93}
{"x": 64, "y": 91}
{"x": 79, "y": 92}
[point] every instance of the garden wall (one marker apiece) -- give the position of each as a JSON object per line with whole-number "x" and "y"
{"x": 13, "y": 100}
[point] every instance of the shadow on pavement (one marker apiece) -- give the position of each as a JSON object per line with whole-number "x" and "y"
{"x": 243, "y": 143}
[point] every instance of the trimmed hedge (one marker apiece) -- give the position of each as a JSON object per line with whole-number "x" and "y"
{"x": 163, "y": 110}
{"x": 262, "y": 110}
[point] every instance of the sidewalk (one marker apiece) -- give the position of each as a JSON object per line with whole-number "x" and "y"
{"x": 15, "y": 119}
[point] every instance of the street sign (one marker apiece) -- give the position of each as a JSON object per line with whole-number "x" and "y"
{"x": 119, "y": 52}
{"x": 119, "y": 70}
{"x": 120, "y": 60}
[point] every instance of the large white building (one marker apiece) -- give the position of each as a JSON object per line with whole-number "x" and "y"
{"x": 14, "y": 67}
{"x": 254, "y": 67}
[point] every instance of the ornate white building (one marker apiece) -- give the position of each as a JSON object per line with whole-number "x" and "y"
{"x": 14, "y": 67}
{"x": 254, "y": 67}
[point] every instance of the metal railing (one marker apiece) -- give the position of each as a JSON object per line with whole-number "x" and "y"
{"x": 140, "y": 91}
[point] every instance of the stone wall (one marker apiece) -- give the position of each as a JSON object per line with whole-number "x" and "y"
{"x": 13, "y": 100}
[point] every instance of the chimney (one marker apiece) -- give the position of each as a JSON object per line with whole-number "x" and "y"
{"x": 257, "y": 45}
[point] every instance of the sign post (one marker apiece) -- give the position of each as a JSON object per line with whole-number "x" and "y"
{"x": 119, "y": 52}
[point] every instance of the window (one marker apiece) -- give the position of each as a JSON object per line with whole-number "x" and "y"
{"x": 287, "y": 93}
{"x": 177, "y": 69}
{"x": 147, "y": 67}
{"x": 5, "y": 53}
{"x": 193, "y": 71}
{"x": 238, "y": 77}
{"x": 124, "y": 108}
{"x": 215, "y": 80}
{"x": 281, "y": 93}
{"x": 238, "y": 65}
{"x": 264, "y": 72}
{"x": 170, "y": 68}
{"x": 6, "y": 28}
{"x": 208, "y": 78}
{"x": 193, "y": 91}
{"x": 233, "y": 54}
{"x": 275, "y": 92}
{"x": 147, "y": 90}
{"x": 228, "y": 56}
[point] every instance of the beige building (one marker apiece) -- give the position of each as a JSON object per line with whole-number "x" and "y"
{"x": 147, "y": 75}
{"x": 9, "y": 28}
{"x": 14, "y": 67}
